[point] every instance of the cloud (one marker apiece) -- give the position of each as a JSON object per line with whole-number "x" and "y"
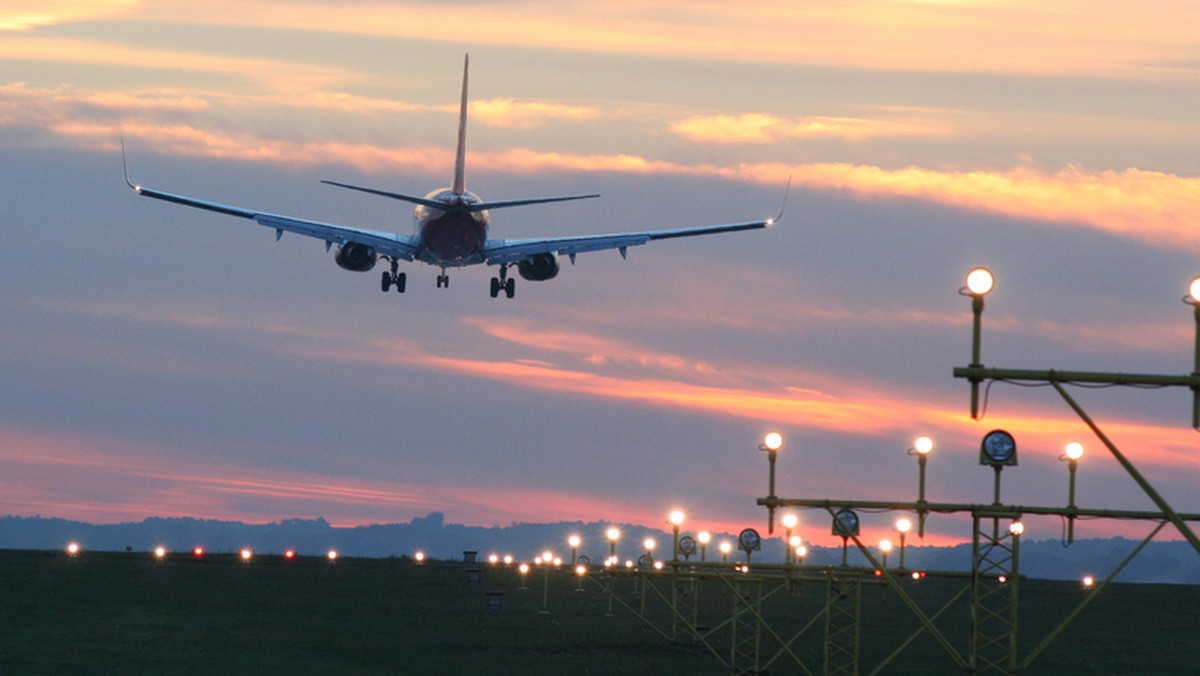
{"x": 1104, "y": 38}
{"x": 25, "y": 15}
{"x": 1153, "y": 207}
{"x": 762, "y": 128}
{"x": 504, "y": 112}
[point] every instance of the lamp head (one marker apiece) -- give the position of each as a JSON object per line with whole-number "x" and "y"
{"x": 923, "y": 445}
{"x": 773, "y": 441}
{"x": 980, "y": 281}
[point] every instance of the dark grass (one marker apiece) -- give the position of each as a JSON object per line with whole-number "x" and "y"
{"x": 117, "y": 613}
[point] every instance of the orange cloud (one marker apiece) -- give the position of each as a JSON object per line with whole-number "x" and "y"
{"x": 1105, "y": 38}
{"x": 25, "y": 15}
{"x": 505, "y": 112}
{"x": 761, "y": 128}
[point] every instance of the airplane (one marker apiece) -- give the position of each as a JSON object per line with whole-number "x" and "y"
{"x": 451, "y": 230}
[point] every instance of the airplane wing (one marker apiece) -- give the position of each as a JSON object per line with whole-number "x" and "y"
{"x": 502, "y": 251}
{"x": 406, "y": 247}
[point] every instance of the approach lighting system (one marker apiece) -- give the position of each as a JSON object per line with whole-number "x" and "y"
{"x": 246, "y": 554}
{"x": 332, "y": 555}
{"x": 160, "y": 552}
{"x": 980, "y": 281}
{"x": 1073, "y": 451}
{"x": 923, "y": 445}
{"x": 845, "y": 523}
{"x": 749, "y": 540}
{"x": 998, "y": 449}
{"x": 73, "y": 548}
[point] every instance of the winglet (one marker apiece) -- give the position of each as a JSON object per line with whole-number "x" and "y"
{"x": 460, "y": 159}
{"x": 782, "y": 207}
{"x": 125, "y": 165}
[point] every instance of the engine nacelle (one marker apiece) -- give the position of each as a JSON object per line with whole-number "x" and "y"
{"x": 355, "y": 257}
{"x": 539, "y": 267}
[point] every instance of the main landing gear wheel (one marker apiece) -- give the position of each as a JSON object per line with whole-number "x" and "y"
{"x": 389, "y": 279}
{"x": 443, "y": 281}
{"x": 507, "y": 284}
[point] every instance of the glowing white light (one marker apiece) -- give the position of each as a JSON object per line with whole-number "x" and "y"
{"x": 773, "y": 441}
{"x": 420, "y": 557}
{"x": 923, "y": 445}
{"x": 160, "y": 552}
{"x": 1074, "y": 450}
{"x": 980, "y": 281}
{"x": 794, "y": 541}
{"x": 198, "y": 551}
{"x": 493, "y": 559}
{"x": 885, "y": 546}
{"x": 725, "y": 547}
{"x": 332, "y": 555}
{"x": 73, "y": 548}
{"x": 1016, "y": 528}
{"x": 649, "y": 544}
{"x": 581, "y": 569}
{"x": 1194, "y": 289}
{"x": 903, "y": 525}
{"x": 676, "y": 517}
{"x": 704, "y": 537}
{"x": 246, "y": 554}
{"x": 557, "y": 561}
{"x": 508, "y": 559}
{"x": 524, "y": 568}
{"x": 801, "y": 551}
{"x": 289, "y": 554}
{"x": 1088, "y": 580}
{"x": 574, "y": 541}
{"x": 790, "y": 520}
{"x": 658, "y": 565}
{"x": 613, "y": 534}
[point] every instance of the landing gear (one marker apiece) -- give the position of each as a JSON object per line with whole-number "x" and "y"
{"x": 443, "y": 281}
{"x": 505, "y": 283}
{"x": 393, "y": 278}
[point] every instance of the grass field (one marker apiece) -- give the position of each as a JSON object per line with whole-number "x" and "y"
{"x": 116, "y": 613}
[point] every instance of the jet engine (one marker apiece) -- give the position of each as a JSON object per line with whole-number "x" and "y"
{"x": 539, "y": 267}
{"x": 355, "y": 257}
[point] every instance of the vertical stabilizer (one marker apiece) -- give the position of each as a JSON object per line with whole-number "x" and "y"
{"x": 460, "y": 159}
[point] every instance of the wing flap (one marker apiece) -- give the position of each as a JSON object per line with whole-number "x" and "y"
{"x": 503, "y": 251}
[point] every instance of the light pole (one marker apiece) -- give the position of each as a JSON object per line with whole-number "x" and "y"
{"x": 772, "y": 442}
{"x": 1193, "y": 299}
{"x": 789, "y": 522}
{"x": 902, "y": 527}
{"x": 979, "y": 283}
{"x": 726, "y": 547}
{"x": 573, "y": 542}
{"x": 676, "y": 518}
{"x": 885, "y": 546}
{"x": 613, "y": 534}
{"x": 704, "y": 537}
{"x": 921, "y": 448}
{"x": 1072, "y": 454}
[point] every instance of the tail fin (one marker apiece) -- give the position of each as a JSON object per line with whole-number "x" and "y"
{"x": 460, "y": 180}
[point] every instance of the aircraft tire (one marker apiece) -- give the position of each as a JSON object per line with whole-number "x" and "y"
{"x": 495, "y": 287}
{"x": 386, "y": 282}
{"x": 510, "y": 288}
{"x": 401, "y": 281}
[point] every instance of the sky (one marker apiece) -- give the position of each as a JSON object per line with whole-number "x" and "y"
{"x": 163, "y": 361}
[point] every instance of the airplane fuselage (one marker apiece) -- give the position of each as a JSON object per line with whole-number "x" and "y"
{"x": 452, "y": 236}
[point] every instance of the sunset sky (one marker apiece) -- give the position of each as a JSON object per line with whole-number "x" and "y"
{"x": 162, "y": 361}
